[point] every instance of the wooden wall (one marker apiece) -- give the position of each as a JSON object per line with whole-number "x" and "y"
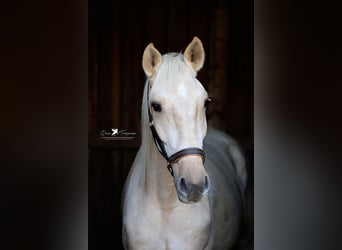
{"x": 118, "y": 34}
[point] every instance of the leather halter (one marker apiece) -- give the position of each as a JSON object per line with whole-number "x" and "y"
{"x": 160, "y": 145}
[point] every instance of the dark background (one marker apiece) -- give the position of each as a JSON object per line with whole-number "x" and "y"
{"x": 119, "y": 31}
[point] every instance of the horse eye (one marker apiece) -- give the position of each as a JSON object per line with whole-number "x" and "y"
{"x": 207, "y": 101}
{"x": 156, "y": 106}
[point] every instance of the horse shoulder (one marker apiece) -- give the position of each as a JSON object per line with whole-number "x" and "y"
{"x": 140, "y": 217}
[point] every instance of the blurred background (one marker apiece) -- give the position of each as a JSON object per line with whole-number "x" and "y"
{"x": 118, "y": 33}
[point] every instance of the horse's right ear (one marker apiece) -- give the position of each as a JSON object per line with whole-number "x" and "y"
{"x": 151, "y": 60}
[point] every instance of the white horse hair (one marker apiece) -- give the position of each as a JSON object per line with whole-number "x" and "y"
{"x": 201, "y": 206}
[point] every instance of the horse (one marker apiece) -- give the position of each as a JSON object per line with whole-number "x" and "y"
{"x": 185, "y": 189}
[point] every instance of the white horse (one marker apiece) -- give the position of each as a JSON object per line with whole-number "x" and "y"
{"x": 175, "y": 197}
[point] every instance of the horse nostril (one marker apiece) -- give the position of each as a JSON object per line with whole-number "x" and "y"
{"x": 206, "y": 183}
{"x": 182, "y": 186}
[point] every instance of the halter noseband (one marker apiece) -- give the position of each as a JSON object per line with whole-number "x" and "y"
{"x": 160, "y": 145}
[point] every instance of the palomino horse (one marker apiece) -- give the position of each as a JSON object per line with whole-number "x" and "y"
{"x": 176, "y": 197}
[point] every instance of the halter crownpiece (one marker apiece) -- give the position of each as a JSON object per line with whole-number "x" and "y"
{"x": 160, "y": 145}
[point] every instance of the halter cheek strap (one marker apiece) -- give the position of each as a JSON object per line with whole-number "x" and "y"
{"x": 160, "y": 145}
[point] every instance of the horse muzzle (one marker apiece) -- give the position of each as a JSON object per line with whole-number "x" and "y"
{"x": 189, "y": 191}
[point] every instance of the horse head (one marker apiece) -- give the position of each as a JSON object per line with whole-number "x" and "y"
{"x": 177, "y": 104}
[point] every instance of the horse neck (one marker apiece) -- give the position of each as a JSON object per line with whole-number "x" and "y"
{"x": 159, "y": 183}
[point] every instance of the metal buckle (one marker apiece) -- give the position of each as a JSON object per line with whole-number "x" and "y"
{"x": 169, "y": 167}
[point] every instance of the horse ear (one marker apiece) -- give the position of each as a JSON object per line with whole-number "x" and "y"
{"x": 151, "y": 60}
{"x": 194, "y": 54}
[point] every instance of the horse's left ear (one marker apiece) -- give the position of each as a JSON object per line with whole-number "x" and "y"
{"x": 194, "y": 54}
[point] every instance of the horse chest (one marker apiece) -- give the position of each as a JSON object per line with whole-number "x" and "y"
{"x": 186, "y": 227}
